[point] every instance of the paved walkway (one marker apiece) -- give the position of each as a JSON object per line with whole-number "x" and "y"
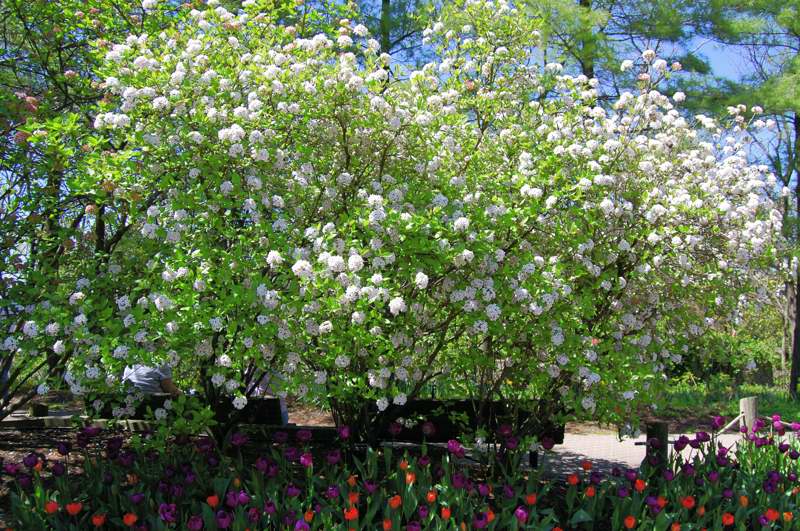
{"x": 606, "y": 451}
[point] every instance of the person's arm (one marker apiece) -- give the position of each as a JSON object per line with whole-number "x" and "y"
{"x": 169, "y": 387}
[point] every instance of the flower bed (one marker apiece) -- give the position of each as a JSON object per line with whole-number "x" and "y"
{"x": 293, "y": 484}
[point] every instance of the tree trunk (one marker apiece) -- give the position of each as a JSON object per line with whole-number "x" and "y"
{"x": 386, "y": 8}
{"x": 788, "y": 324}
{"x": 794, "y": 373}
{"x": 588, "y": 50}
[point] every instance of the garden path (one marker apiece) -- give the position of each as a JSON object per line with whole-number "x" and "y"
{"x": 604, "y": 449}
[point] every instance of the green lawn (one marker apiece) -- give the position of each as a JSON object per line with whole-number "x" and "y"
{"x": 703, "y": 400}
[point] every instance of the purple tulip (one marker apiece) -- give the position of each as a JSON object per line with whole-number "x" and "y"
{"x": 483, "y": 489}
{"x": 168, "y": 512}
{"x": 307, "y": 460}
{"x": 253, "y": 514}
{"x": 243, "y": 498}
{"x": 262, "y": 464}
{"x": 269, "y": 508}
{"x": 332, "y": 492}
{"x": 30, "y": 460}
{"x": 480, "y": 521}
{"x": 224, "y": 519}
{"x": 58, "y": 469}
{"x": 12, "y": 469}
{"x": 413, "y": 526}
{"x": 136, "y": 498}
{"x": 292, "y": 454}
{"x": 548, "y": 443}
{"x": 333, "y": 457}
{"x": 300, "y": 525}
{"x": 505, "y": 430}
{"x": 455, "y": 448}
{"x": 713, "y": 476}
{"x": 428, "y": 428}
{"x": 423, "y": 511}
{"x": 292, "y": 491}
{"x": 623, "y": 492}
{"x": 231, "y": 499}
{"x": 280, "y": 437}
{"x": 459, "y": 481}
{"x": 424, "y": 460}
{"x": 370, "y": 487}
{"x": 508, "y": 491}
{"x": 717, "y": 422}
{"x": 521, "y": 514}
{"x": 344, "y": 432}
{"x": 239, "y": 439}
{"x": 631, "y": 474}
{"x": 303, "y": 435}
{"x": 727, "y": 493}
{"x": 195, "y": 523}
{"x": 63, "y": 448}
{"x": 511, "y": 443}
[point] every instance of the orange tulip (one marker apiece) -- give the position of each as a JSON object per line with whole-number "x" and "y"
{"x": 675, "y": 527}
{"x": 572, "y": 479}
{"x": 530, "y": 499}
{"x": 51, "y": 507}
{"x": 129, "y": 519}
{"x": 352, "y": 497}
{"x": 629, "y": 522}
{"x": 350, "y": 514}
{"x": 771, "y": 514}
{"x": 98, "y": 520}
{"x": 403, "y": 465}
{"x": 395, "y": 501}
{"x": 213, "y": 501}
{"x": 351, "y": 481}
{"x": 639, "y": 485}
{"x": 701, "y": 510}
{"x": 590, "y": 491}
{"x": 308, "y": 516}
{"x": 744, "y": 501}
{"x": 431, "y": 496}
{"x": 727, "y": 519}
{"x": 586, "y": 465}
{"x": 387, "y": 525}
{"x": 446, "y": 513}
{"x": 788, "y": 516}
{"x": 410, "y": 478}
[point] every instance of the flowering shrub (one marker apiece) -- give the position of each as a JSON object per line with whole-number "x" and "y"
{"x": 308, "y": 211}
{"x": 296, "y": 484}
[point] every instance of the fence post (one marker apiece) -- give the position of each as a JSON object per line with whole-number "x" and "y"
{"x": 748, "y": 409}
{"x": 657, "y": 444}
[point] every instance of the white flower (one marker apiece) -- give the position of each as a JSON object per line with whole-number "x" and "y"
{"x": 626, "y": 65}
{"x": 493, "y": 312}
{"x": 274, "y": 259}
{"x": 397, "y": 305}
{"x": 421, "y": 280}
{"x": 58, "y": 347}
{"x": 43, "y": 389}
{"x": 461, "y": 224}
{"x": 120, "y": 352}
{"x": 31, "y": 329}
{"x": 224, "y": 361}
{"x": 588, "y": 404}
{"x": 400, "y": 399}
{"x": 679, "y": 97}
{"x": 355, "y": 263}
{"x": 239, "y": 402}
{"x": 382, "y": 404}
{"x": 216, "y": 324}
{"x": 303, "y": 269}
{"x": 160, "y": 413}
{"x": 325, "y": 327}
{"x": 217, "y": 379}
{"x": 342, "y": 361}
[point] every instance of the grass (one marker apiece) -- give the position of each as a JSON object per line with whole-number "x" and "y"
{"x": 702, "y": 400}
